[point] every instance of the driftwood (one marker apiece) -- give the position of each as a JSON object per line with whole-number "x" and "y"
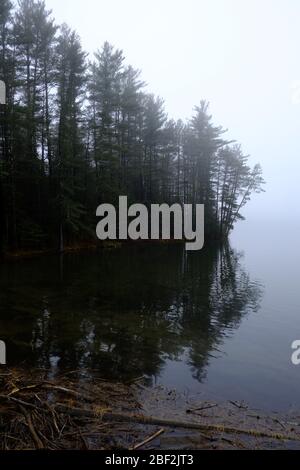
{"x": 155, "y": 421}
{"x": 10, "y": 399}
{"x": 37, "y": 440}
{"x": 203, "y": 408}
{"x": 64, "y": 414}
{"x": 50, "y": 386}
{"x": 68, "y": 391}
{"x": 148, "y": 440}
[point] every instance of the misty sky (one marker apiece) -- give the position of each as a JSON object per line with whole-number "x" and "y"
{"x": 241, "y": 56}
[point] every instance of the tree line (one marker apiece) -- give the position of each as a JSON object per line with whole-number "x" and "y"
{"x": 77, "y": 132}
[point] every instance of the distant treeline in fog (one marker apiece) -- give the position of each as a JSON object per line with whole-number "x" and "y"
{"x": 78, "y": 131}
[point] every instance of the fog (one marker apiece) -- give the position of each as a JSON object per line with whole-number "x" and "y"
{"x": 243, "y": 57}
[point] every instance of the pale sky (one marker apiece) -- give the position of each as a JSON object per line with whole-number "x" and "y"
{"x": 243, "y": 56}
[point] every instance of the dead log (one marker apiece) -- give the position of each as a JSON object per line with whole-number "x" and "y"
{"x": 155, "y": 421}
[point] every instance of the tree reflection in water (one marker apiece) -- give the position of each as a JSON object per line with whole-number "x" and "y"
{"x": 124, "y": 312}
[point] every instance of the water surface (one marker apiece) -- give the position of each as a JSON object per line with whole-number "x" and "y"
{"x": 218, "y": 323}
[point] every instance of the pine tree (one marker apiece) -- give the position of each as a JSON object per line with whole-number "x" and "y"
{"x": 130, "y": 142}
{"x": 74, "y": 135}
{"x": 105, "y": 96}
{"x": 154, "y": 121}
{"x": 6, "y": 75}
{"x": 69, "y": 162}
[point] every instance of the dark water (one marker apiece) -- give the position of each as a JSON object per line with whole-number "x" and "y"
{"x": 215, "y": 323}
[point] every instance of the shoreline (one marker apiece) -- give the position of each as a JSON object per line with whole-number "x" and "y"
{"x": 98, "y": 246}
{"x": 76, "y": 412}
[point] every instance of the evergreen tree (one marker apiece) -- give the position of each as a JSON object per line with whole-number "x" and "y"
{"x": 76, "y": 134}
{"x": 69, "y": 162}
{"x": 105, "y": 92}
{"x": 7, "y": 76}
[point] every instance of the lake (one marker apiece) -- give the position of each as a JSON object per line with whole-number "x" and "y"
{"x": 217, "y": 324}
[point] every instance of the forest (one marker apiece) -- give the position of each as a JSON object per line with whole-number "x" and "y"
{"x": 79, "y": 130}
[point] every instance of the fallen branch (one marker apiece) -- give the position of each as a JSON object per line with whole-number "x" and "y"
{"x": 207, "y": 407}
{"x": 19, "y": 402}
{"x": 153, "y": 421}
{"x": 148, "y": 440}
{"x": 238, "y": 405}
{"x": 38, "y": 442}
{"x": 68, "y": 391}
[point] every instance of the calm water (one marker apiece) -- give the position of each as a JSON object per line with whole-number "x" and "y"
{"x": 218, "y": 323}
